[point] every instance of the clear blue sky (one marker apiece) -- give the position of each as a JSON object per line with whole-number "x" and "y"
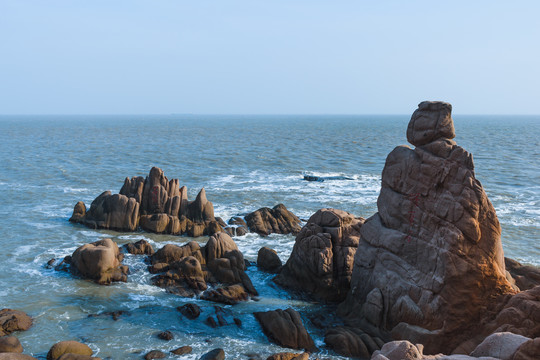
{"x": 268, "y": 57}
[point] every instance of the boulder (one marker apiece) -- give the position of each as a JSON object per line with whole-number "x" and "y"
{"x": 191, "y": 311}
{"x": 183, "y": 350}
{"x": 433, "y": 251}
{"x": 141, "y": 247}
{"x": 155, "y": 354}
{"x": 229, "y": 295}
{"x": 165, "y": 335}
{"x": 68, "y": 347}
{"x": 351, "y": 342}
{"x": 15, "y": 356}
{"x": 115, "y": 212}
{"x": 528, "y": 350}
{"x": 77, "y": 357}
{"x": 13, "y": 320}
{"x": 321, "y": 262}
{"x": 501, "y": 345}
{"x": 99, "y": 261}
{"x": 268, "y": 260}
{"x": 171, "y": 253}
{"x": 277, "y": 220}
{"x": 216, "y": 354}
{"x": 285, "y": 328}
{"x": 400, "y": 350}
{"x": 525, "y": 276}
{"x": 79, "y": 212}
{"x": 288, "y": 356}
{"x": 10, "y": 344}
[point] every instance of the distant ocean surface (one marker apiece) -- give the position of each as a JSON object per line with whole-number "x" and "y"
{"x": 48, "y": 163}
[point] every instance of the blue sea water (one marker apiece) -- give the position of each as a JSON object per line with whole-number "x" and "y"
{"x": 244, "y": 163}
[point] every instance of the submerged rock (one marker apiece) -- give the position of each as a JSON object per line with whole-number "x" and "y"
{"x": 321, "y": 262}
{"x": 430, "y": 262}
{"x": 99, "y": 261}
{"x": 277, "y": 220}
{"x": 13, "y": 320}
{"x": 285, "y": 328}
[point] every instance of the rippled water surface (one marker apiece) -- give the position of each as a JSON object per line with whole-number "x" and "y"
{"x": 244, "y": 163}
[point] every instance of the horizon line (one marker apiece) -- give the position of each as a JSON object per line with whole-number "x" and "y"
{"x": 251, "y": 114}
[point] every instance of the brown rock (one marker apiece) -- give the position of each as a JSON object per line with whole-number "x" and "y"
{"x": 351, "y": 342}
{"x": 185, "y": 277}
{"x": 501, "y": 345}
{"x": 216, "y": 354}
{"x": 155, "y": 354}
{"x": 171, "y": 253}
{"x": 13, "y": 320}
{"x": 10, "y": 344}
{"x": 79, "y": 212}
{"x": 99, "y": 261}
{"x": 268, "y": 260}
{"x": 115, "y": 212}
{"x": 278, "y": 220}
{"x": 133, "y": 188}
{"x": 183, "y": 350}
{"x": 528, "y": 350}
{"x": 68, "y": 347}
{"x": 525, "y": 276}
{"x": 166, "y": 335}
{"x": 201, "y": 209}
{"x": 288, "y": 356}
{"x": 15, "y": 356}
{"x": 230, "y": 295}
{"x": 433, "y": 251}
{"x": 141, "y": 247}
{"x": 285, "y": 328}
{"x": 156, "y": 223}
{"x": 191, "y": 311}
{"x": 321, "y": 262}
{"x": 237, "y": 220}
{"x": 77, "y": 357}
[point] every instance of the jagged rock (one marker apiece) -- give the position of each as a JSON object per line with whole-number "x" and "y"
{"x": 278, "y": 220}
{"x": 141, "y": 247}
{"x": 13, "y": 320}
{"x": 191, "y": 311}
{"x": 10, "y": 344}
{"x": 216, "y": 354}
{"x": 321, "y": 262}
{"x": 525, "y": 276}
{"x": 156, "y": 203}
{"x": 528, "y": 350}
{"x": 183, "y": 350}
{"x": 501, "y": 345}
{"x": 351, "y": 342}
{"x": 285, "y": 328}
{"x": 68, "y": 347}
{"x": 433, "y": 249}
{"x": 99, "y": 261}
{"x": 268, "y": 260}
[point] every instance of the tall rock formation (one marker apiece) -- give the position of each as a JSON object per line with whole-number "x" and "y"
{"x": 430, "y": 264}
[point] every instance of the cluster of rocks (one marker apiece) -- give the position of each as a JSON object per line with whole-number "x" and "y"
{"x": 159, "y": 205}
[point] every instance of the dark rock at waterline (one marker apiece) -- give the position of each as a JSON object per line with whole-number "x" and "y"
{"x": 238, "y": 322}
{"x": 99, "y": 261}
{"x": 277, "y": 220}
{"x": 229, "y": 295}
{"x": 165, "y": 335}
{"x": 141, "y": 247}
{"x": 285, "y": 328}
{"x": 268, "y": 260}
{"x": 210, "y": 321}
{"x": 216, "y": 354}
{"x": 352, "y": 342}
{"x": 324, "y": 178}
{"x": 10, "y": 344}
{"x": 183, "y": 350}
{"x": 13, "y": 320}
{"x": 68, "y": 347}
{"x": 526, "y": 277}
{"x": 321, "y": 262}
{"x": 155, "y": 354}
{"x": 79, "y": 212}
{"x": 191, "y": 311}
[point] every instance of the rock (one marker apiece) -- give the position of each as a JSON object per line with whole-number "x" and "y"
{"x": 99, "y": 261}
{"x": 68, "y": 347}
{"x": 216, "y": 354}
{"x": 191, "y": 311}
{"x": 278, "y": 220}
{"x": 166, "y": 335}
{"x": 182, "y": 350}
{"x": 321, "y": 262}
{"x": 10, "y": 344}
{"x": 501, "y": 345}
{"x": 288, "y": 356}
{"x": 525, "y": 276}
{"x": 351, "y": 342}
{"x": 155, "y": 354}
{"x": 268, "y": 260}
{"x": 13, "y": 320}
{"x": 77, "y": 357}
{"x": 141, "y": 247}
{"x": 400, "y": 350}
{"x": 201, "y": 209}
{"x": 115, "y": 212}
{"x": 185, "y": 277}
{"x": 285, "y": 328}
{"x": 229, "y": 295}
{"x": 237, "y": 220}
{"x": 528, "y": 350}
{"x": 210, "y": 321}
{"x": 79, "y": 212}
{"x": 15, "y": 356}
{"x": 433, "y": 251}
{"x": 171, "y": 253}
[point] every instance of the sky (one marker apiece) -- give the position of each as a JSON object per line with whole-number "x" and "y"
{"x": 268, "y": 57}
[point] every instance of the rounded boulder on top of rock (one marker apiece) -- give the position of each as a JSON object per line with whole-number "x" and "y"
{"x": 13, "y": 320}
{"x": 68, "y": 347}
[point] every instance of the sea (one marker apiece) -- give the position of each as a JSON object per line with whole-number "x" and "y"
{"x": 244, "y": 162}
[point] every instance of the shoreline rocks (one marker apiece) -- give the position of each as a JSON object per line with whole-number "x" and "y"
{"x": 13, "y": 320}
{"x": 277, "y": 220}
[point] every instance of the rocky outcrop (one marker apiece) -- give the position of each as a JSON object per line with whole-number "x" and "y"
{"x": 188, "y": 270}
{"x": 13, "y": 320}
{"x": 141, "y": 247}
{"x": 268, "y": 260}
{"x": 430, "y": 264}
{"x": 154, "y": 203}
{"x": 285, "y": 328}
{"x": 68, "y": 347}
{"x": 100, "y": 261}
{"x": 321, "y": 262}
{"x": 277, "y": 220}
{"x": 526, "y": 277}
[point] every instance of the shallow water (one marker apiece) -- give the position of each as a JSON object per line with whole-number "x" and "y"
{"x": 244, "y": 163}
